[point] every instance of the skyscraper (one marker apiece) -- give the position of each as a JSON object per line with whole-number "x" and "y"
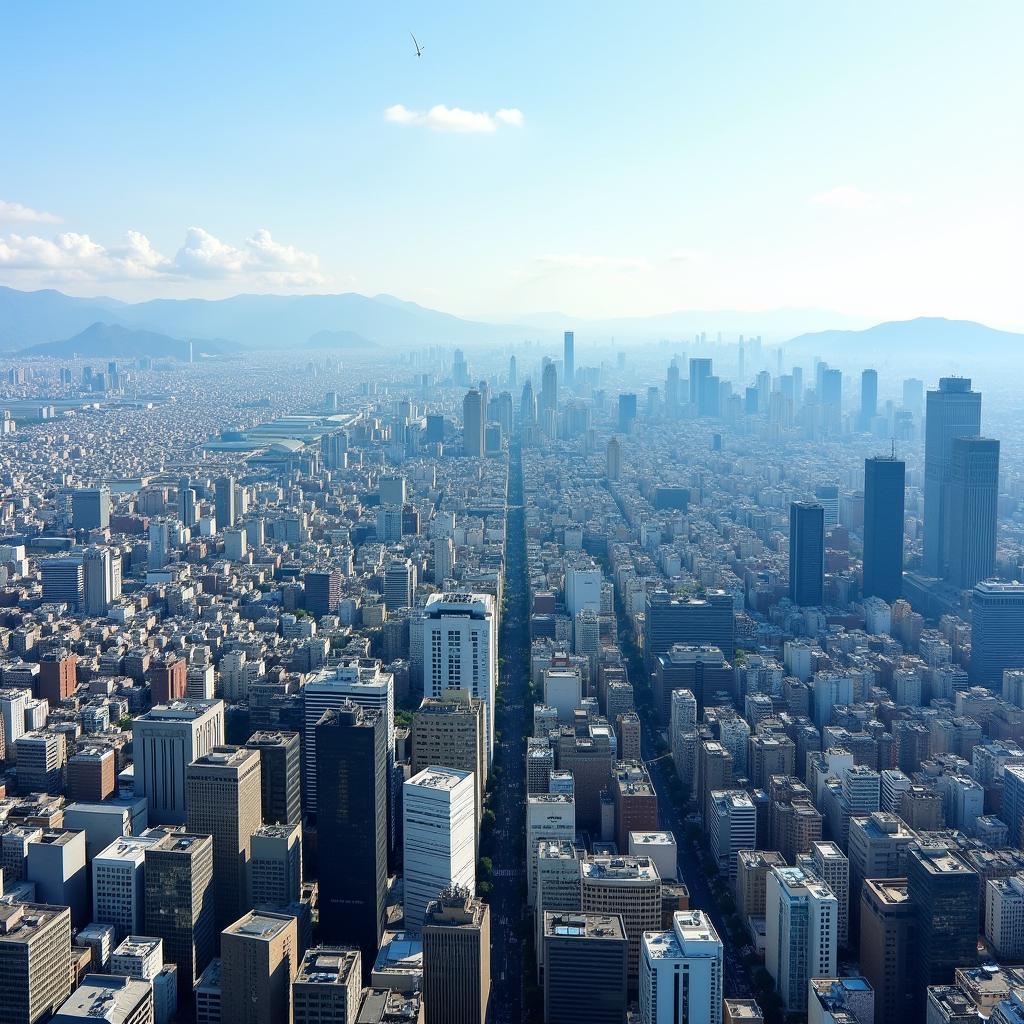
{"x": 681, "y": 972}
{"x": 90, "y": 508}
{"x": 351, "y": 766}
{"x": 997, "y": 630}
{"x": 63, "y": 581}
{"x": 700, "y": 372}
{"x": 887, "y": 947}
{"x": 473, "y": 416}
{"x": 549, "y": 388}
{"x": 585, "y": 968}
{"x": 569, "y": 359}
{"x": 98, "y": 580}
{"x": 224, "y": 795}
{"x": 672, "y": 391}
{"x": 868, "y": 399}
{"x": 280, "y": 775}
{"x": 457, "y": 959}
{"x": 275, "y": 869}
{"x": 224, "y": 497}
{"x": 954, "y": 410}
{"x": 613, "y": 459}
{"x": 969, "y": 521}
{"x": 884, "y": 487}
{"x": 627, "y": 412}
{"x": 35, "y": 961}
{"x": 806, "y": 553}
{"x": 259, "y": 958}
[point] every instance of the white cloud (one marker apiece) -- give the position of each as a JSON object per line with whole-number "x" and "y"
{"x": 454, "y": 119}
{"x": 581, "y": 261}
{"x": 16, "y": 213}
{"x": 845, "y": 197}
{"x": 76, "y": 257}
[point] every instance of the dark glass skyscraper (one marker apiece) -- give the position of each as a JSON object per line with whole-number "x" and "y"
{"x": 868, "y": 398}
{"x": 627, "y": 413}
{"x": 473, "y": 424}
{"x": 884, "y": 486}
{"x": 806, "y": 553}
{"x": 953, "y": 411}
{"x": 972, "y": 498}
{"x": 352, "y": 823}
{"x": 224, "y": 497}
{"x": 997, "y": 630}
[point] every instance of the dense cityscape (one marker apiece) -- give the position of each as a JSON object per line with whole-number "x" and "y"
{"x": 670, "y": 683}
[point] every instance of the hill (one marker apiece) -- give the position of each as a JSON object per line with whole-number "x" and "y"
{"x": 102, "y": 340}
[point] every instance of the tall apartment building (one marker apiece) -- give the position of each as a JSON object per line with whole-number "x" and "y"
{"x": 35, "y": 960}
{"x": 259, "y": 958}
{"x": 681, "y": 972}
{"x": 280, "y": 775}
{"x": 327, "y": 986}
{"x": 888, "y": 928}
{"x": 585, "y": 968}
{"x": 165, "y": 741}
{"x": 457, "y": 959}
{"x": 224, "y": 801}
{"x": 731, "y": 827}
{"x": 275, "y": 868}
{"x": 801, "y": 917}
{"x": 439, "y": 837}
{"x": 180, "y": 903}
{"x": 828, "y": 863}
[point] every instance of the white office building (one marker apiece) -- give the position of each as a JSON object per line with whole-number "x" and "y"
{"x": 119, "y": 884}
{"x": 732, "y": 826}
{"x": 829, "y": 864}
{"x": 549, "y": 817}
{"x": 439, "y": 837}
{"x": 681, "y": 972}
{"x": 1004, "y": 916}
{"x": 460, "y": 650}
{"x": 582, "y": 589}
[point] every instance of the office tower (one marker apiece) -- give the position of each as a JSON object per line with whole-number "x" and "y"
{"x": 1004, "y": 916}
{"x": 801, "y": 915}
{"x": 569, "y": 360}
{"x": 877, "y": 848}
{"x": 700, "y": 622}
{"x": 732, "y": 826}
{"x": 188, "y": 504}
{"x": 280, "y": 774}
{"x": 327, "y": 986}
{"x": 613, "y": 459}
{"x": 887, "y": 947}
{"x": 913, "y": 396}
{"x": 997, "y": 631}
{"x": 35, "y": 960}
{"x": 444, "y": 559}
{"x": 57, "y": 679}
{"x": 460, "y": 651}
{"x": 550, "y": 817}
{"x": 954, "y": 410}
{"x": 681, "y": 972}
{"x": 513, "y": 375}
{"x": 91, "y": 775}
{"x": 90, "y": 508}
{"x": 827, "y": 496}
{"x": 672, "y": 392}
{"x": 636, "y": 803}
{"x": 334, "y": 449}
{"x": 159, "y": 544}
{"x": 767, "y": 754}
{"x": 399, "y": 584}
{"x": 627, "y": 413}
{"x": 449, "y": 730}
{"x": 40, "y": 757}
{"x": 439, "y": 837}
{"x": 224, "y": 501}
{"x": 558, "y": 883}
{"x": 806, "y": 553}
{"x": 700, "y": 670}
{"x": 946, "y": 895}
{"x": 587, "y": 750}
{"x": 118, "y": 885}
{"x": 830, "y": 398}
{"x": 63, "y": 581}
{"x": 322, "y": 591}
{"x": 392, "y": 490}
{"x": 165, "y": 740}
{"x": 548, "y": 390}
{"x": 357, "y": 680}
{"x": 275, "y": 867}
{"x": 752, "y": 867}
{"x": 168, "y": 679}
{"x": 456, "y": 959}
{"x": 969, "y": 519}
{"x": 626, "y": 886}
{"x": 714, "y": 772}
{"x": 585, "y": 959}
{"x": 1013, "y": 802}
{"x": 868, "y": 399}
{"x": 884, "y": 488}
{"x": 473, "y": 422}
{"x": 101, "y": 997}
{"x": 700, "y": 372}
{"x": 223, "y": 800}
{"x": 583, "y": 587}
{"x": 97, "y": 580}
{"x": 352, "y": 768}
{"x": 629, "y": 731}
{"x": 828, "y": 863}
{"x": 258, "y": 959}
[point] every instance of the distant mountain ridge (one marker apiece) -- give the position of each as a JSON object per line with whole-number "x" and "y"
{"x": 100, "y": 340}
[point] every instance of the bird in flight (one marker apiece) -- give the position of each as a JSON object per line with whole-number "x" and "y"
{"x": 419, "y": 49}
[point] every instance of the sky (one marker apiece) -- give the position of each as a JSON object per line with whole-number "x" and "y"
{"x": 599, "y": 159}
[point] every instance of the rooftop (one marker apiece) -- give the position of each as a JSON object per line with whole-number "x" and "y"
{"x": 327, "y": 965}
{"x": 572, "y": 925}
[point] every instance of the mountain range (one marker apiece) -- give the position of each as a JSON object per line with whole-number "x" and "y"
{"x": 51, "y": 323}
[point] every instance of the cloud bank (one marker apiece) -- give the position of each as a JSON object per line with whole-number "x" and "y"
{"x": 454, "y": 119}
{"x": 16, "y": 213}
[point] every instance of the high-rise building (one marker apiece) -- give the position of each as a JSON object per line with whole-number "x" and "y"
{"x": 180, "y": 903}
{"x": 327, "y": 986}
{"x": 945, "y": 892}
{"x": 280, "y": 775}
{"x": 57, "y": 679}
{"x": 473, "y": 423}
{"x": 259, "y": 958}
{"x": 878, "y": 847}
{"x": 275, "y": 867}
{"x": 828, "y": 863}
{"x": 439, "y": 837}
{"x": 1013, "y": 802}
{"x": 613, "y": 459}
{"x": 91, "y": 774}
{"x": 732, "y": 827}
{"x": 801, "y": 915}
{"x": 627, "y": 412}
{"x": 569, "y": 359}
{"x": 444, "y": 559}
{"x": 460, "y": 651}
{"x": 98, "y": 580}
{"x": 681, "y": 972}
{"x": 884, "y": 488}
{"x": 997, "y": 631}
{"x": 887, "y": 947}
{"x": 806, "y": 553}
{"x": 972, "y": 503}
{"x": 118, "y": 885}
{"x": 322, "y": 591}
{"x": 352, "y": 817}
{"x": 868, "y": 399}
{"x": 35, "y": 960}
{"x": 700, "y": 374}
{"x": 223, "y": 794}
{"x": 827, "y": 496}
{"x": 550, "y": 817}
{"x": 1004, "y": 916}
{"x": 224, "y": 502}
{"x": 954, "y": 410}
{"x": 399, "y": 584}
{"x": 636, "y": 802}
{"x": 90, "y": 508}
{"x": 585, "y": 959}
{"x": 63, "y": 581}
{"x": 548, "y": 389}
{"x": 752, "y": 867}
{"x": 165, "y": 741}
{"x": 168, "y": 679}
{"x": 457, "y": 959}
{"x": 672, "y": 620}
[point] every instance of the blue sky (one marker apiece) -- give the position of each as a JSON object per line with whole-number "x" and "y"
{"x": 866, "y": 157}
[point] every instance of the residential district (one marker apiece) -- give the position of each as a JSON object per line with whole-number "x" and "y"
{"x": 662, "y": 686}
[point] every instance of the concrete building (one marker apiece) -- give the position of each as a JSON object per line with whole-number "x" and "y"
{"x": 847, "y": 1000}
{"x": 275, "y": 867}
{"x": 585, "y": 968}
{"x": 828, "y": 863}
{"x": 280, "y": 775}
{"x": 636, "y": 803}
{"x": 457, "y": 959}
{"x": 878, "y": 848}
{"x": 550, "y": 817}
{"x": 887, "y": 947}
{"x": 115, "y": 999}
{"x": 35, "y": 961}
{"x": 259, "y": 960}
{"x": 56, "y": 867}
{"x": 681, "y": 972}
{"x": 732, "y": 826}
{"x": 752, "y": 867}
{"x": 119, "y": 885}
{"x": 327, "y": 986}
